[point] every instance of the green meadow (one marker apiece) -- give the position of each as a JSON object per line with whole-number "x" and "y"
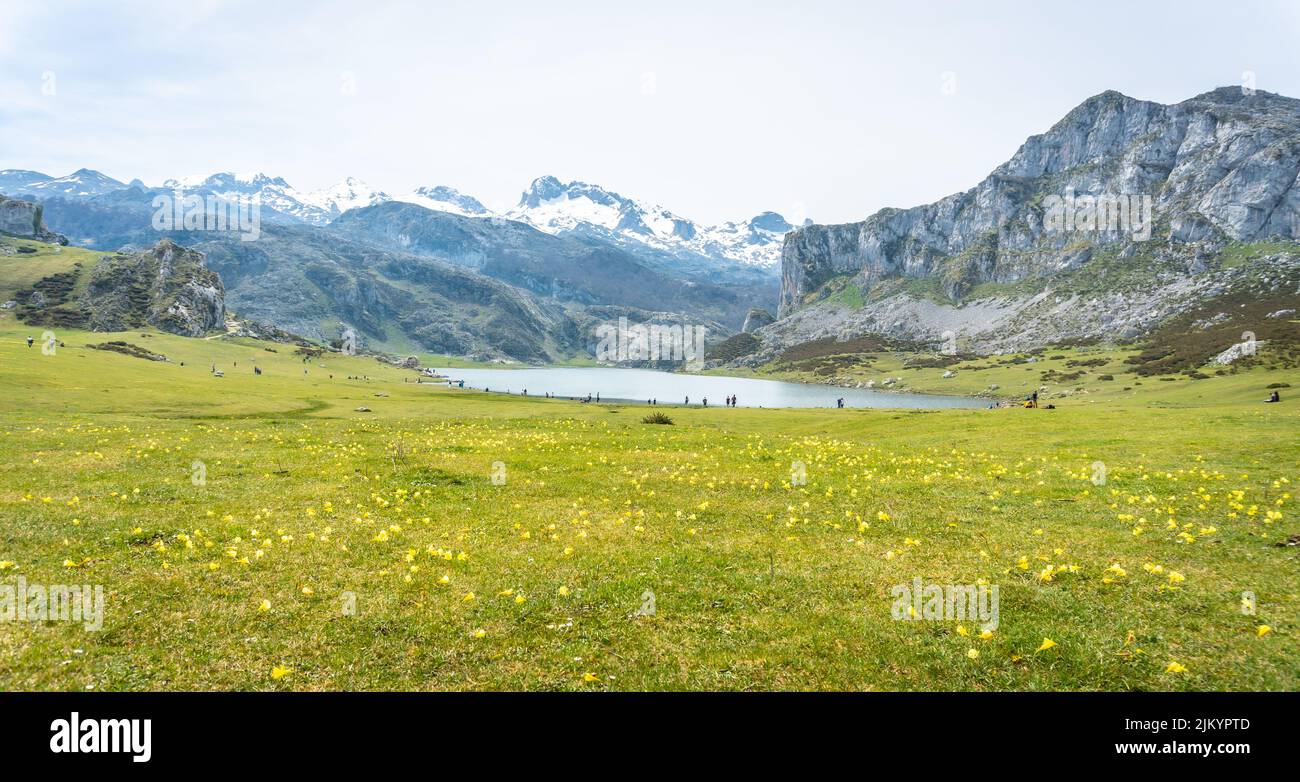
{"x": 261, "y": 532}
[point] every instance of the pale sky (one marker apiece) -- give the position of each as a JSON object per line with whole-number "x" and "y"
{"x": 715, "y": 110}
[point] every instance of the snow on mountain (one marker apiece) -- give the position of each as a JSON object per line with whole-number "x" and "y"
{"x": 14, "y": 180}
{"x": 578, "y": 207}
{"x": 351, "y": 193}
{"x": 228, "y": 182}
{"x": 322, "y": 206}
{"x": 445, "y": 199}
{"x": 317, "y": 207}
{"x": 754, "y": 242}
{"x": 554, "y": 207}
{"x": 81, "y": 183}
{"x": 273, "y": 192}
{"x": 548, "y": 204}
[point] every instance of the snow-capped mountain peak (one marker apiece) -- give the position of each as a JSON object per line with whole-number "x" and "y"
{"x": 322, "y": 206}
{"x": 14, "y": 181}
{"x": 579, "y": 207}
{"x": 441, "y": 198}
{"x": 351, "y": 193}
{"x": 317, "y": 207}
{"x": 272, "y": 192}
{"x": 228, "y": 182}
{"x": 555, "y": 207}
{"x": 83, "y": 182}
{"x": 771, "y": 222}
{"x": 543, "y": 188}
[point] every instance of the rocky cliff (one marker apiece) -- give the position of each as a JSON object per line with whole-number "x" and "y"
{"x": 25, "y": 219}
{"x": 756, "y": 319}
{"x": 1118, "y": 183}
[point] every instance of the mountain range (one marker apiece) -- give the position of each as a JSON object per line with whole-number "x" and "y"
{"x": 82, "y": 183}
{"x": 1124, "y": 216}
{"x": 407, "y": 278}
{"x": 431, "y": 270}
{"x": 575, "y": 208}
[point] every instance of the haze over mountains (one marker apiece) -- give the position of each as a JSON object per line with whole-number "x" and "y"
{"x": 986, "y": 269}
{"x": 548, "y": 205}
{"x": 433, "y": 270}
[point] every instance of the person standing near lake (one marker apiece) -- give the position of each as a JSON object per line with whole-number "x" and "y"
{"x": 706, "y": 401}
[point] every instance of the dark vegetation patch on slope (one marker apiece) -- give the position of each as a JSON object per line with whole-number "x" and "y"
{"x": 128, "y": 349}
{"x": 1190, "y": 340}
{"x": 733, "y": 347}
{"x": 49, "y": 302}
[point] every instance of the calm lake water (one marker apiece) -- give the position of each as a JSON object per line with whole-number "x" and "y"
{"x": 638, "y": 385}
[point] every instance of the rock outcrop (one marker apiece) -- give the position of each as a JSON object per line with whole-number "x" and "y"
{"x": 1217, "y": 169}
{"x": 166, "y": 286}
{"x": 25, "y": 219}
{"x": 1219, "y": 166}
{"x": 756, "y": 319}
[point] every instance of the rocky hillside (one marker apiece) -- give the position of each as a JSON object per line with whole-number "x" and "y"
{"x": 1029, "y": 255}
{"x": 167, "y": 287}
{"x": 563, "y": 268}
{"x": 409, "y": 279}
{"x": 314, "y": 282}
{"x": 321, "y": 283}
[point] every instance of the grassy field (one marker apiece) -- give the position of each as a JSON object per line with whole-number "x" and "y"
{"x": 259, "y": 532}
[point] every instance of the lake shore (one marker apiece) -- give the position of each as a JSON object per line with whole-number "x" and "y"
{"x": 681, "y": 389}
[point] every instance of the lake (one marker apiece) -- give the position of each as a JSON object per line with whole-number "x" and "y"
{"x": 637, "y": 385}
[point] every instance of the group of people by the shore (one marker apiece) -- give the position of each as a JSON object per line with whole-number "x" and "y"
{"x": 1030, "y": 401}
{"x": 730, "y": 401}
